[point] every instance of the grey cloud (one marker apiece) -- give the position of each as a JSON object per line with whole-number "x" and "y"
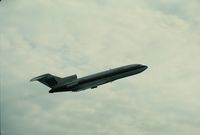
{"x": 66, "y": 37}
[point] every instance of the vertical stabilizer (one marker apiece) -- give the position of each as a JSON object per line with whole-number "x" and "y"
{"x": 54, "y": 81}
{"x": 48, "y": 80}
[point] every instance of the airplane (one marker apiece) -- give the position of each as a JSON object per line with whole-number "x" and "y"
{"x": 74, "y": 84}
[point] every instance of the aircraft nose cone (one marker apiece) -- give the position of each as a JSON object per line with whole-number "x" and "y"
{"x": 51, "y": 91}
{"x": 144, "y": 67}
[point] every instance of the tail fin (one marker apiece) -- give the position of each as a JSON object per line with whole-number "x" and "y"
{"x": 53, "y": 81}
{"x": 48, "y": 80}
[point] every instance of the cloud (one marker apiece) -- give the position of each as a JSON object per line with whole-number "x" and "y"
{"x": 67, "y": 37}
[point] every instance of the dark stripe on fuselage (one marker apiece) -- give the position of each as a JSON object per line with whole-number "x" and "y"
{"x": 109, "y": 73}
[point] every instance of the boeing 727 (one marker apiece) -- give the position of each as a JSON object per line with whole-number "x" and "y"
{"x": 74, "y": 84}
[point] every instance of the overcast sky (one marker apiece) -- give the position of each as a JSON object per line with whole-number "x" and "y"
{"x": 65, "y": 37}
